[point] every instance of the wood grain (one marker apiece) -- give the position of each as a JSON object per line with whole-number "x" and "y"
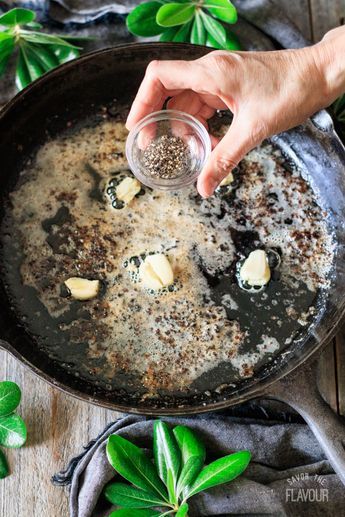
{"x": 58, "y": 426}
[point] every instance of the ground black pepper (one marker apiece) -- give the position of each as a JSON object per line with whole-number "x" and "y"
{"x": 167, "y": 157}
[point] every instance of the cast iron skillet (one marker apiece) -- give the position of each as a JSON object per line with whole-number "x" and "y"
{"x": 75, "y": 89}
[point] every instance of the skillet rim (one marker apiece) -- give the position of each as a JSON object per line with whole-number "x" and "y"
{"x": 258, "y": 386}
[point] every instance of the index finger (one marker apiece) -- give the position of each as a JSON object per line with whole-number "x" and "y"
{"x": 162, "y": 79}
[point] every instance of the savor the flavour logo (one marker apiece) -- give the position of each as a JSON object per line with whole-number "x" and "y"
{"x": 296, "y": 493}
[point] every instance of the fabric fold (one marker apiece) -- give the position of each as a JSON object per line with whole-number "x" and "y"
{"x": 287, "y": 462}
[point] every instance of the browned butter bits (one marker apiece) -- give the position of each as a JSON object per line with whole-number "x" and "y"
{"x": 165, "y": 336}
{"x": 167, "y": 157}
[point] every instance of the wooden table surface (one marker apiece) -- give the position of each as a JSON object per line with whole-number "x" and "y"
{"x": 58, "y": 425}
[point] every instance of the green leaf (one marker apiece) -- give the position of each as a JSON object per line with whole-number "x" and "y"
{"x": 130, "y": 497}
{"x": 45, "y": 39}
{"x": 132, "y": 463}
{"x": 17, "y": 16}
{"x": 43, "y": 55}
{"x": 3, "y": 465}
{"x": 6, "y": 49}
{"x": 214, "y": 28}
{"x": 22, "y": 73}
{"x": 167, "y": 456}
{"x": 220, "y": 471}
{"x": 34, "y": 25}
{"x": 193, "y": 456}
{"x": 182, "y": 35}
{"x": 339, "y": 105}
{"x": 33, "y": 67}
{"x": 171, "y": 487}
{"x": 232, "y": 42}
{"x": 142, "y": 20}
{"x": 10, "y": 393}
{"x": 5, "y": 35}
{"x": 222, "y": 9}
{"x": 169, "y": 34}
{"x": 198, "y": 34}
{"x": 182, "y": 511}
{"x": 134, "y": 513}
{"x": 64, "y": 54}
{"x": 174, "y": 13}
{"x": 12, "y": 431}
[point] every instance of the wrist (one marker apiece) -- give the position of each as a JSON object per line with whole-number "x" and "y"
{"x": 330, "y": 63}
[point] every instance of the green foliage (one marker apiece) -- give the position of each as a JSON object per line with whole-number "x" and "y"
{"x": 222, "y": 9}
{"x": 172, "y": 14}
{"x": 135, "y": 513}
{"x": 220, "y": 471}
{"x": 12, "y": 427}
{"x": 167, "y": 457}
{"x": 193, "y": 456}
{"x": 131, "y": 497}
{"x": 142, "y": 20}
{"x": 214, "y": 29}
{"x": 37, "y": 52}
{"x": 198, "y": 35}
{"x": 182, "y": 511}
{"x": 12, "y": 431}
{"x": 338, "y": 113}
{"x": 10, "y": 396}
{"x": 231, "y": 42}
{"x": 17, "y": 17}
{"x": 191, "y": 21}
{"x": 3, "y": 465}
{"x": 132, "y": 463}
{"x": 177, "y": 474}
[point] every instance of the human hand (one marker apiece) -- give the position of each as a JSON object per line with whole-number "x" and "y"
{"x": 267, "y": 92}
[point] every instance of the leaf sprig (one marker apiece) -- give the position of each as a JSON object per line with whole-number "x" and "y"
{"x": 12, "y": 427}
{"x": 178, "y": 472}
{"x": 38, "y": 52}
{"x": 338, "y": 113}
{"x": 194, "y": 21}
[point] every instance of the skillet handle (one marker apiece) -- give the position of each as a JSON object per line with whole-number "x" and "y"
{"x": 299, "y": 390}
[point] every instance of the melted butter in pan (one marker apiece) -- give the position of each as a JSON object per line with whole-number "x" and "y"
{"x": 65, "y": 225}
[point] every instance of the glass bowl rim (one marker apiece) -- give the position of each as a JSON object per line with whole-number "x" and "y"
{"x": 156, "y": 116}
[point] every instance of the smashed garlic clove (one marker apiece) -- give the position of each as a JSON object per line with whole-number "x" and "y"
{"x": 255, "y": 269}
{"x": 227, "y": 180}
{"x": 82, "y": 289}
{"x": 156, "y": 272}
{"x": 127, "y": 189}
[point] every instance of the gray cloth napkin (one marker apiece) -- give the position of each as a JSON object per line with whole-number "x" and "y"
{"x": 287, "y": 465}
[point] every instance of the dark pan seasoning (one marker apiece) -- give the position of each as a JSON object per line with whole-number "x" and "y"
{"x": 206, "y": 332}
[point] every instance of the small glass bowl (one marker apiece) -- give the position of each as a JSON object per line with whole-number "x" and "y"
{"x": 171, "y": 123}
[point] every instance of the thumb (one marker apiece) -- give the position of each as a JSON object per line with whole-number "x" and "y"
{"x": 235, "y": 144}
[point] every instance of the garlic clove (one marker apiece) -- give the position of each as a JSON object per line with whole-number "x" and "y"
{"x": 227, "y": 180}
{"x": 82, "y": 289}
{"x": 255, "y": 269}
{"x": 127, "y": 189}
{"x": 149, "y": 277}
{"x": 156, "y": 272}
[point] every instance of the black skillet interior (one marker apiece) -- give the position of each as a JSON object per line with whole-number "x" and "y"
{"x": 73, "y": 94}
